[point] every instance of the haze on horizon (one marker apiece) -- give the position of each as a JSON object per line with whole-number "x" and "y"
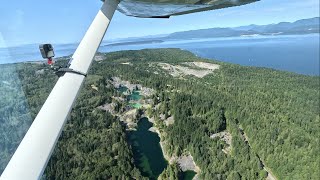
{"x": 27, "y": 22}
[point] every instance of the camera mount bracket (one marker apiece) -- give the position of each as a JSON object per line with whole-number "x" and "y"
{"x": 61, "y": 71}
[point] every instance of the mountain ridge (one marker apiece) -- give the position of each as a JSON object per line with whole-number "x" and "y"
{"x": 303, "y": 26}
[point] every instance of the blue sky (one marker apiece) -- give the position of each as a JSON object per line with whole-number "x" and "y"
{"x": 66, "y": 21}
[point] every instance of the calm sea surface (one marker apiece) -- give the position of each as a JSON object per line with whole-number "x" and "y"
{"x": 295, "y": 53}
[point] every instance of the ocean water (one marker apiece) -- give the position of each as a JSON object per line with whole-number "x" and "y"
{"x": 295, "y": 53}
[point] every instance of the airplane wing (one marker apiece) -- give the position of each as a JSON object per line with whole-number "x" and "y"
{"x": 167, "y": 8}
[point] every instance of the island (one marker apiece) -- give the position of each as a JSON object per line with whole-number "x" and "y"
{"x": 168, "y": 114}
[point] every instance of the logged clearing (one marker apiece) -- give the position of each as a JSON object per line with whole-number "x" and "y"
{"x": 204, "y": 65}
{"x": 94, "y": 87}
{"x": 226, "y": 137}
{"x": 169, "y": 121}
{"x": 198, "y": 69}
{"x": 186, "y": 163}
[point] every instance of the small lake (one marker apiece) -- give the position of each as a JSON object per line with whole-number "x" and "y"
{"x": 122, "y": 89}
{"x": 135, "y": 105}
{"x": 147, "y": 153}
{"x": 135, "y": 95}
{"x": 188, "y": 175}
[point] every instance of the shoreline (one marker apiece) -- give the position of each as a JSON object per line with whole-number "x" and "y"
{"x": 173, "y": 159}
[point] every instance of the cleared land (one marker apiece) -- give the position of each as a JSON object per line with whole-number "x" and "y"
{"x": 226, "y": 137}
{"x": 198, "y": 69}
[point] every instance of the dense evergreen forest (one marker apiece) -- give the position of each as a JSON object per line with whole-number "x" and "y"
{"x": 272, "y": 116}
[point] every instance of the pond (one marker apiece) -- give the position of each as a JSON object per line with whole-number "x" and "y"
{"x": 147, "y": 152}
{"x": 135, "y": 96}
{"x": 122, "y": 89}
{"x": 135, "y": 105}
{"x": 188, "y": 175}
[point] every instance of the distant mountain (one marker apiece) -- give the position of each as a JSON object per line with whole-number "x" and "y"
{"x": 205, "y": 33}
{"x": 151, "y": 41}
{"x": 301, "y": 27}
{"x": 304, "y": 26}
{"x": 135, "y": 39}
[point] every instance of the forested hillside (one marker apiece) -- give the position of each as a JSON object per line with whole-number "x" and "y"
{"x": 272, "y": 117}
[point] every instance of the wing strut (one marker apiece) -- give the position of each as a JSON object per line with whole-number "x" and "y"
{"x": 31, "y": 157}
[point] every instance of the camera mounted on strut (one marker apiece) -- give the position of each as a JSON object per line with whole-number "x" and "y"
{"x": 47, "y": 52}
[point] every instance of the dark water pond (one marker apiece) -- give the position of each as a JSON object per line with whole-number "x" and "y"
{"x": 188, "y": 175}
{"x": 147, "y": 152}
{"x": 122, "y": 89}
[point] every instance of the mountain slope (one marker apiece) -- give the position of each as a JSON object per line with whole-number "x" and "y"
{"x": 304, "y": 26}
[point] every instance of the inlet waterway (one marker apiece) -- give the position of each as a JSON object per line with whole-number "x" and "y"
{"x": 148, "y": 155}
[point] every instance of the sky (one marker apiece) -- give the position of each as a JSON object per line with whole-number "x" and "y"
{"x": 66, "y": 21}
